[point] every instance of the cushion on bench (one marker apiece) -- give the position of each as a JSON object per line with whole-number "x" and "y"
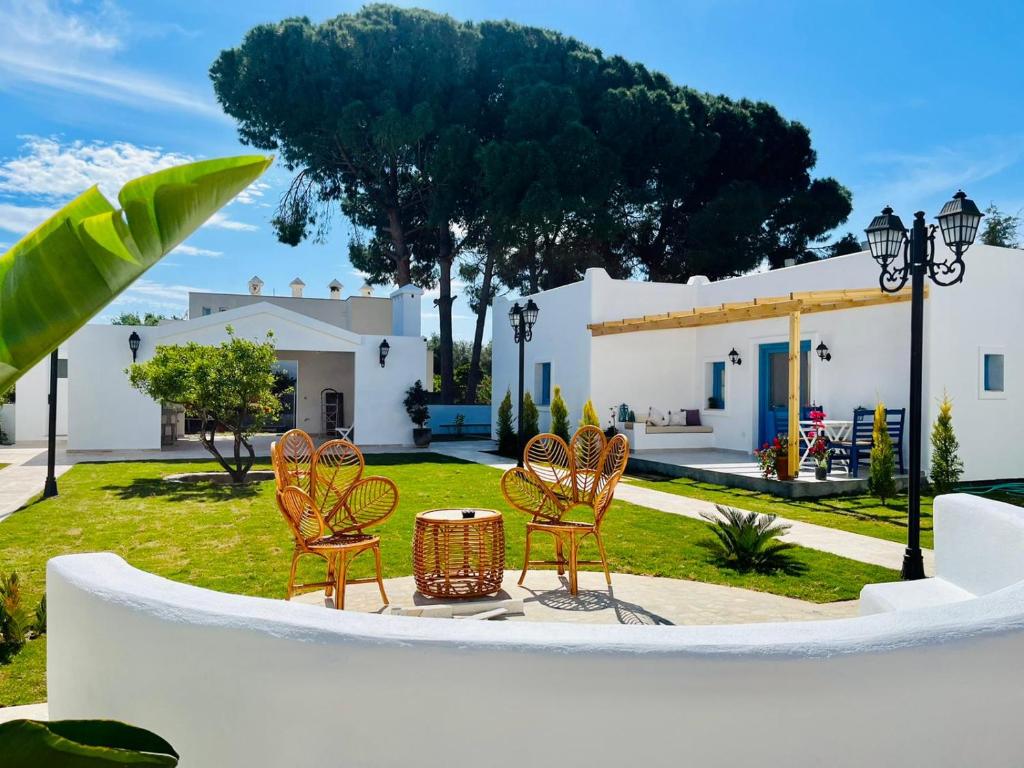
{"x": 652, "y": 430}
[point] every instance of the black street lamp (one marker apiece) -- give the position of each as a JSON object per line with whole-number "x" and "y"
{"x": 903, "y": 258}
{"x": 522, "y": 320}
{"x": 50, "y": 486}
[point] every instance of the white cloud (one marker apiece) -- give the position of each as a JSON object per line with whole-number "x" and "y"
{"x": 254, "y": 191}
{"x": 51, "y": 170}
{"x": 191, "y": 250}
{"x": 22, "y": 219}
{"x": 45, "y": 46}
{"x": 155, "y": 296}
{"x": 220, "y": 220}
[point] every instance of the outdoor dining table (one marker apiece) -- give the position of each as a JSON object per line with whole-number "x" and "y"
{"x": 836, "y": 431}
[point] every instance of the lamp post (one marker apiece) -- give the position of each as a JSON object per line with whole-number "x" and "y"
{"x": 50, "y": 486}
{"x": 903, "y": 258}
{"x": 522, "y": 320}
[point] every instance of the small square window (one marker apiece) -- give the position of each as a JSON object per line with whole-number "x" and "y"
{"x": 62, "y": 367}
{"x": 714, "y": 386}
{"x": 993, "y": 372}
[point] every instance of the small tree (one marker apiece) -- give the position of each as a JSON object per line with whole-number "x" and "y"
{"x": 559, "y": 416}
{"x": 416, "y": 404}
{"x": 1000, "y": 228}
{"x": 881, "y": 478}
{"x": 229, "y": 387}
{"x": 590, "y": 417}
{"x": 506, "y": 430}
{"x": 483, "y": 390}
{"x": 946, "y": 464}
{"x": 531, "y": 418}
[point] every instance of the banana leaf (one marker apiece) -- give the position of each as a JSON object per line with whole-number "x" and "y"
{"x": 81, "y": 744}
{"x": 57, "y": 277}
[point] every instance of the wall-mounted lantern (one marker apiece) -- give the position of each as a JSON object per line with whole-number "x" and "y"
{"x": 734, "y": 357}
{"x": 384, "y": 349}
{"x": 133, "y": 342}
{"x": 823, "y": 354}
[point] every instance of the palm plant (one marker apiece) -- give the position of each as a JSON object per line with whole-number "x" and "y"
{"x": 748, "y": 540}
{"x": 76, "y": 262}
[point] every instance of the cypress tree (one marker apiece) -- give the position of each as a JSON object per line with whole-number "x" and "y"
{"x": 506, "y": 430}
{"x": 559, "y": 416}
{"x": 531, "y": 418}
{"x": 947, "y": 466}
{"x": 881, "y": 478}
{"x": 590, "y": 417}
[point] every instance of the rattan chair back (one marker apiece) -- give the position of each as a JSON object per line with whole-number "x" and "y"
{"x": 548, "y": 459}
{"x": 301, "y": 513}
{"x": 337, "y": 466}
{"x": 294, "y": 463}
{"x": 613, "y": 465}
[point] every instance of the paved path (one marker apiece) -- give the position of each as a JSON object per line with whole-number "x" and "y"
{"x": 631, "y": 599}
{"x": 25, "y": 712}
{"x": 855, "y": 546}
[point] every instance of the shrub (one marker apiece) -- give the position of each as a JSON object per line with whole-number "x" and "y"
{"x": 507, "y": 440}
{"x": 531, "y": 418}
{"x": 946, "y": 464}
{"x": 416, "y": 404}
{"x": 590, "y": 417}
{"x": 39, "y": 623}
{"x": 13, "y": 622}
{"x": 749, "y": 541}
{"x": 881, "y": 477}
{"x": 483, "y": 390}
{"x": 559, "y": 416}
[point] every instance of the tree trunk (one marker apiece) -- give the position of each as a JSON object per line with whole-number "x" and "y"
{"x": 403, "y": 274}
{"x": 444, "y": 307}
{"x": 242, "y": 466}
{"x": 474, "y": 377}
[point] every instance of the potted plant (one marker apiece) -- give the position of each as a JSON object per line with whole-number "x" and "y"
{"x": 419, "y": 413}
{"x": 819, "y": 449}
{"x": 773, "y": 458}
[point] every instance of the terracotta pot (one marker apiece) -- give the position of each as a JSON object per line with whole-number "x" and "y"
{"x": 782, "y": 467}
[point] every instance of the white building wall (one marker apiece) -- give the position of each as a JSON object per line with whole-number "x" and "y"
{"x": 7, "y": 419}
{"x": 105, "y": 411}
{"x": 31, "y": 396}
{"x": 379, "y": 392}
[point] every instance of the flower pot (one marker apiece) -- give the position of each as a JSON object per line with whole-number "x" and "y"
{"x": 820, "y": 473}
{"x": 782, "y": 467}
{"x": 421, "y": 437}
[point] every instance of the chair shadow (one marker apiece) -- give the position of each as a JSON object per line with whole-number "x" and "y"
{"x": 591, "y": 600}
{"x": 155, "y": 487}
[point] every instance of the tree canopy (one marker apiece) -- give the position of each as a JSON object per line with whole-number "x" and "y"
{"x": 523, "y": 151}
{"x": 1002, "y": 229}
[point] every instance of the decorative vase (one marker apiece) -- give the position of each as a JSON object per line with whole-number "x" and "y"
{"x": 820, "y": 472}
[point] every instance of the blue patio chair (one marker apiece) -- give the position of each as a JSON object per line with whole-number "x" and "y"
{"x": 857, "y": 450}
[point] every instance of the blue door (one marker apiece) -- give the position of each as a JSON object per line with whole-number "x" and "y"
{"x": 773, "y": 384}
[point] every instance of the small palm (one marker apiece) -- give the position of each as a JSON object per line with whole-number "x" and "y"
{"x": 749, "y": 541}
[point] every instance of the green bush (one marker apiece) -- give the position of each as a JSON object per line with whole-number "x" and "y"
{"x": 507, "y": 440}
{"x": 559, "y": 416}
{"x": 416, "y": 404}
{"x": 946, "y": 464}
{"x": 748, "y": 540}
{"x": 590, "y": 417}
{"x": 531, "y": 418}
{"x": 13, "y": 621}
{"x": 882, "y": 474}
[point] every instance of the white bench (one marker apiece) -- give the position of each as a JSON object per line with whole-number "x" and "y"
{"x": 645, "y": 437}
{"x": 979, "y": 549}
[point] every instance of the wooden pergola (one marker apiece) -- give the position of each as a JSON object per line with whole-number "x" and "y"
{"x": 792, "y": 305}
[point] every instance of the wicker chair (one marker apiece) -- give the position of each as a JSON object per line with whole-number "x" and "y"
{"x": 313, "y": 537}
{"x": 559, "y": 480}
{"x": 346, "y": 502}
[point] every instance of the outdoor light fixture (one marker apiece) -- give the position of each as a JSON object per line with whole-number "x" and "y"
{"x": 133, "y": 342}
{"x": 823, "y": 354}
{"x": 522, "y": 320}
{"x": 734, "y": 357}
{"x": 904, "y": 257}
{"x": 384, "y": 349}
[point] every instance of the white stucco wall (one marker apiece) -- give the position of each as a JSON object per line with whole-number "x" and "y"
{"x": 231, "y": 681}
{"x": 7, "y": 419}
{"x": 31, "y": 393}
{"x": 380, "y": 414}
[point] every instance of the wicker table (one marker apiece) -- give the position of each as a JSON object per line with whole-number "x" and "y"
{"x": 458, "y": 557}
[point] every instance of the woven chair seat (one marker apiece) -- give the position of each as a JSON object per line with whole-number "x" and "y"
{"x": 342, "y": 540}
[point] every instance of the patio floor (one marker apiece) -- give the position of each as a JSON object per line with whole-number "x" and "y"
{"x": 631, "y": 600}
{"x": 738, "y": 469}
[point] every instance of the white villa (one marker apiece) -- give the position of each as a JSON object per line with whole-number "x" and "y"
{"x": 668, "y": 346}
{"x": 329, "y": 347}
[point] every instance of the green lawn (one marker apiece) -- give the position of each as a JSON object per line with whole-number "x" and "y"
{"x": 235, "y": 541}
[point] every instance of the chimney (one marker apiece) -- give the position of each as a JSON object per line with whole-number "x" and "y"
{"x": 255, "y": 285}
{"x": 366, "y": 290}
{"x": 335, "y": 288}
{"x": 405, "y": 311}
{"x": 297, "y": 286}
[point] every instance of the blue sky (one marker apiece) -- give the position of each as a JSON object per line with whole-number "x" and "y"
{"x": 906, "y": 101}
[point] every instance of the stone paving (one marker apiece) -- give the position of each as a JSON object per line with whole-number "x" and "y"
{"x": 630, "y": 600}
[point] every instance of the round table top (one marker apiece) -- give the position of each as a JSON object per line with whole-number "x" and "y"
{"x": 455, "y": 515}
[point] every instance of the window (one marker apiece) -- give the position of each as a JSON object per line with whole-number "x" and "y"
{"x": 62, "y": 367}
{"x": 992, "y": 372}
{"x": 714, "y": 389}
{"x": 207, "y": 311}
{"x": 542, "y": 383}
